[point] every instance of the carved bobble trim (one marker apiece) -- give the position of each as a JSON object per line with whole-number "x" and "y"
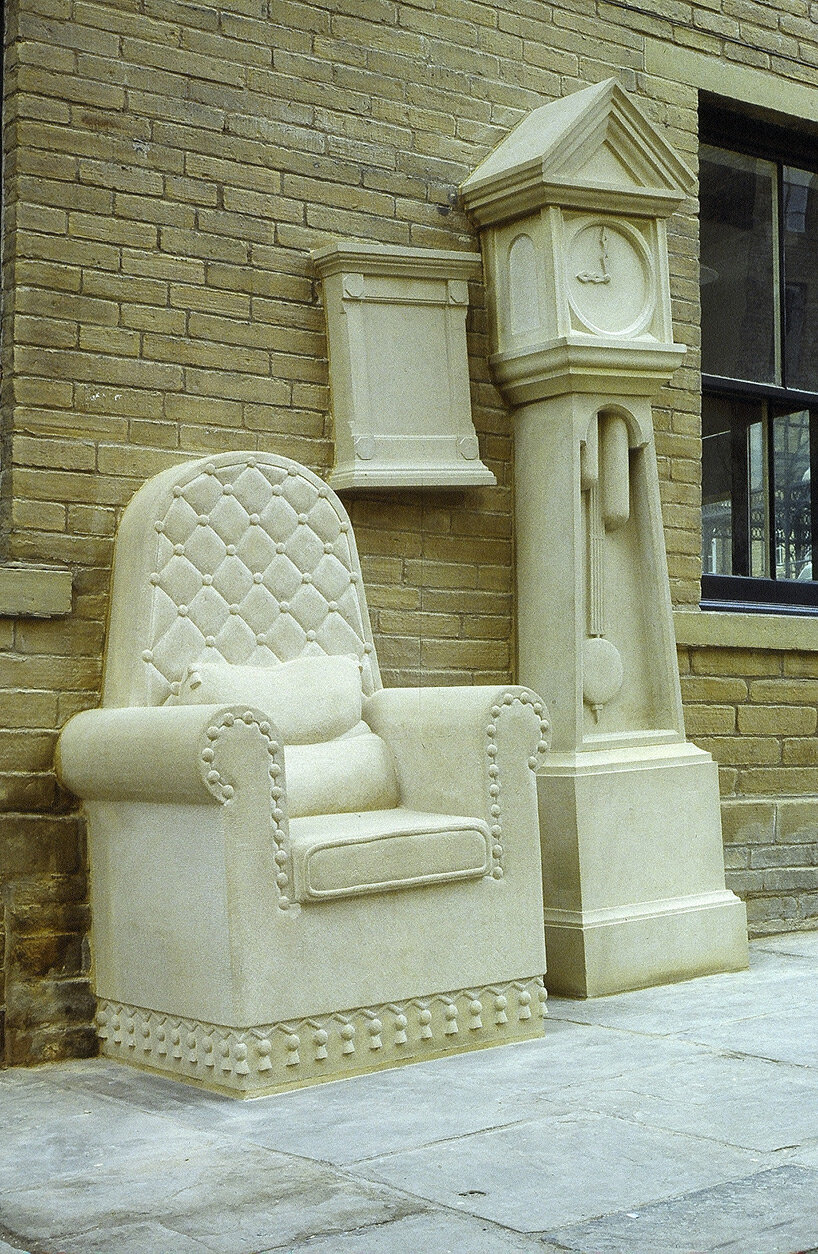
{"x": 260, "y": 1058}
{"x": 224, "y": 791}
{"x": 508, "y": 700}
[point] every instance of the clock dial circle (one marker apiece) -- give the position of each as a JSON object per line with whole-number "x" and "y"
{"x": 610, "y": 279}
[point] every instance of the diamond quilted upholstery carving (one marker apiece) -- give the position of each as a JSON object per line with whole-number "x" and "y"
{"x": 254, "y": 564}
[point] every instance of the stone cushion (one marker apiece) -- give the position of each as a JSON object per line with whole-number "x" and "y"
{"x": 345, "y": 855}
{"x": 353, "y": 773}
{"x": 309, "y": 699}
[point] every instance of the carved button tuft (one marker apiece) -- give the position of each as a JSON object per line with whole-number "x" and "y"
{"x": 182, "y": 611}
{"x": 501, "y": 1002}
{"x": 344, "y": 526}
{"x": 213, "y": 777}
{"x": 320, "y": 1037}
{"x": 524, "y": 698}
{"x": 369, "y": 648}
{"x": 495, "y": 812}
{"x": 278, "y": 815}
{"x": 496, "y": 830}
{"x": 159, "y": 526}
{"x": 264, "y": 728}
{"x": 354, "y": 577}
{"x": 178, "y": 549}
{"x": 491, "y": 730}
{"x": 177, "y": 491}
{"x": 283, "y": 902}
{"x": 310, "y": 635}
{"x": 292, "y": 1043}
{"x": 475, "y": 1007}
{"x": 327, "y": 546}
{"x": 332, "y": 607}
{"x": 451, "y": 1012}
{"x": 497, "y": 851}
{"x": 254, "y": 520}
{"x": 533, "y": 763}
{"x": 282, "y": 879}
{"x": 231, "y": 550}
{"x": 248, "y": 717}
{"x": 208, "y": 755}
{"x": 229, "y": 719}
{"x": 284, "y": 607}
{"x": 234, "y": 609}
{"x": 524, "y": 998}
{"x": 203, "y": 521}
{"x": 210, "y": 469}
{"x": 228, "y": 791}
{"x": 306, "y": 577}
{"x": 261, "y": 638}
{"x": 543, "y": 746}
{"x": 492, "y": 751}
{"x": 175, "y": 688}
{"x": 154, "y": 578}
{"x": 212, "y": 733}
{"x": 495, "y": 711}
{"x": 275, "y": 770}
{"x": 494, "y": 790}
{"x": 251, "y": 463}
{"x": 425, "y": 1017}
{"x": 494, "y": 770}
{"x": 227, "y": 489}
{"x": 276, "y": 793}
{"x": 347, "y": 1032}
{"x": 207, "y": 580}
{"x": 544, "y": 725}
{"x": 147, "y": 656}
{"x": 302, "y": 518}
{"x": 497, "y": 873}
{"x": 277, "y": 489}
{"x": 280, "y": 547}
{"x": 538, "y": 707}
{"x": 507, "y": 698}
{"x": 265, "y": 1048}
{"x": 291, "y": 470}
{"x": 210, "y": 641}
{"x": 280, "y": 857}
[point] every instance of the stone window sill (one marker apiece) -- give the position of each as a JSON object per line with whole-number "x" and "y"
{"x": 28, "y": 591}
{"x": 715, "y": 630}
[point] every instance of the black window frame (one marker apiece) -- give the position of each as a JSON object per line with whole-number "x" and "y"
{"x": 726, "y": 128}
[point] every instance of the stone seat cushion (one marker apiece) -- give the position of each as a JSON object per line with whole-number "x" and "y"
{"x": 345, "y": 855}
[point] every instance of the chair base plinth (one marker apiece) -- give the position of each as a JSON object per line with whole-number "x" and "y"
{"x": 273, "y": 1057}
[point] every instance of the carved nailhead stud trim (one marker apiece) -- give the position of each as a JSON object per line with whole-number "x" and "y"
{"x": 224, "y": 791}
{"x": 506, "y": 702}
{"x": 275, "y": 1055}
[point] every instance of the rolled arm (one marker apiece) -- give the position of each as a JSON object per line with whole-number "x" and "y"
{"x": 155, "y": 753}
{"x": 451, "y": 745}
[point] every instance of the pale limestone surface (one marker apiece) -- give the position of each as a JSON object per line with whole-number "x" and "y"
{"x": 398, "y": 365}
{"x": 665, "y": 1121}
{"x": 572, "y": 207}
{"x": 296, "y": 874}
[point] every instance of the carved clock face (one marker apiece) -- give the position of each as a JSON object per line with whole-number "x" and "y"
{"x": 610, "y": 278}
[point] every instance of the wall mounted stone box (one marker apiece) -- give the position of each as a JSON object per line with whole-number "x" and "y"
{"x": 296, "y": 873}
{"x": 399, "y": 376}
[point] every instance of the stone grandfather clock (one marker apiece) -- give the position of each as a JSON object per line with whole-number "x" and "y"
{"x": 572, "y": 210}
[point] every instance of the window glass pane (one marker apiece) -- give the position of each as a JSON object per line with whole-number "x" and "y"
{"x": 793, "y": 516}
{"x": 717, "y": 493}
{"x": 738, "y": 266}
{"x": 800, "y": 279}
{"x": 758, "y": 500}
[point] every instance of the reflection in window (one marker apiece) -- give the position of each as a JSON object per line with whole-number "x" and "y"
{"x": 738, "y": 209}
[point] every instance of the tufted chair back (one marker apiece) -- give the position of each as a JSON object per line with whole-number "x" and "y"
{"x": 243, "y": 558}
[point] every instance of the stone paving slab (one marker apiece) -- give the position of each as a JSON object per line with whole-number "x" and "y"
{"x": 773, "y": 1212}
{"x": 679, "y": 1120}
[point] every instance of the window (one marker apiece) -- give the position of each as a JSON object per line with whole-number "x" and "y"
{"x": 759, "y": 300}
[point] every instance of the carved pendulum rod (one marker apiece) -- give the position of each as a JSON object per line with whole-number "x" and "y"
{"x": 604, "y": 470}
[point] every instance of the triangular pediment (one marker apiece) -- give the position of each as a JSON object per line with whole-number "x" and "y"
{"x": 576, "y": 151}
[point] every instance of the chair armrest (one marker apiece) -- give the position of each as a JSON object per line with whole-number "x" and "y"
{"x": 457, "y": 749}
{"x": 163, "y": 753}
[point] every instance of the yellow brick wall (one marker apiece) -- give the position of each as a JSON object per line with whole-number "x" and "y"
{"x": 168, "y": 168}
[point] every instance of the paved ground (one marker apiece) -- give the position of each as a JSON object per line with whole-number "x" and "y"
{"x": 670, "y": 1121}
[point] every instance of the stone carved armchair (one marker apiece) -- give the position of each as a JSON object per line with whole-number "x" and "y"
{"x": 296, "y": 874}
